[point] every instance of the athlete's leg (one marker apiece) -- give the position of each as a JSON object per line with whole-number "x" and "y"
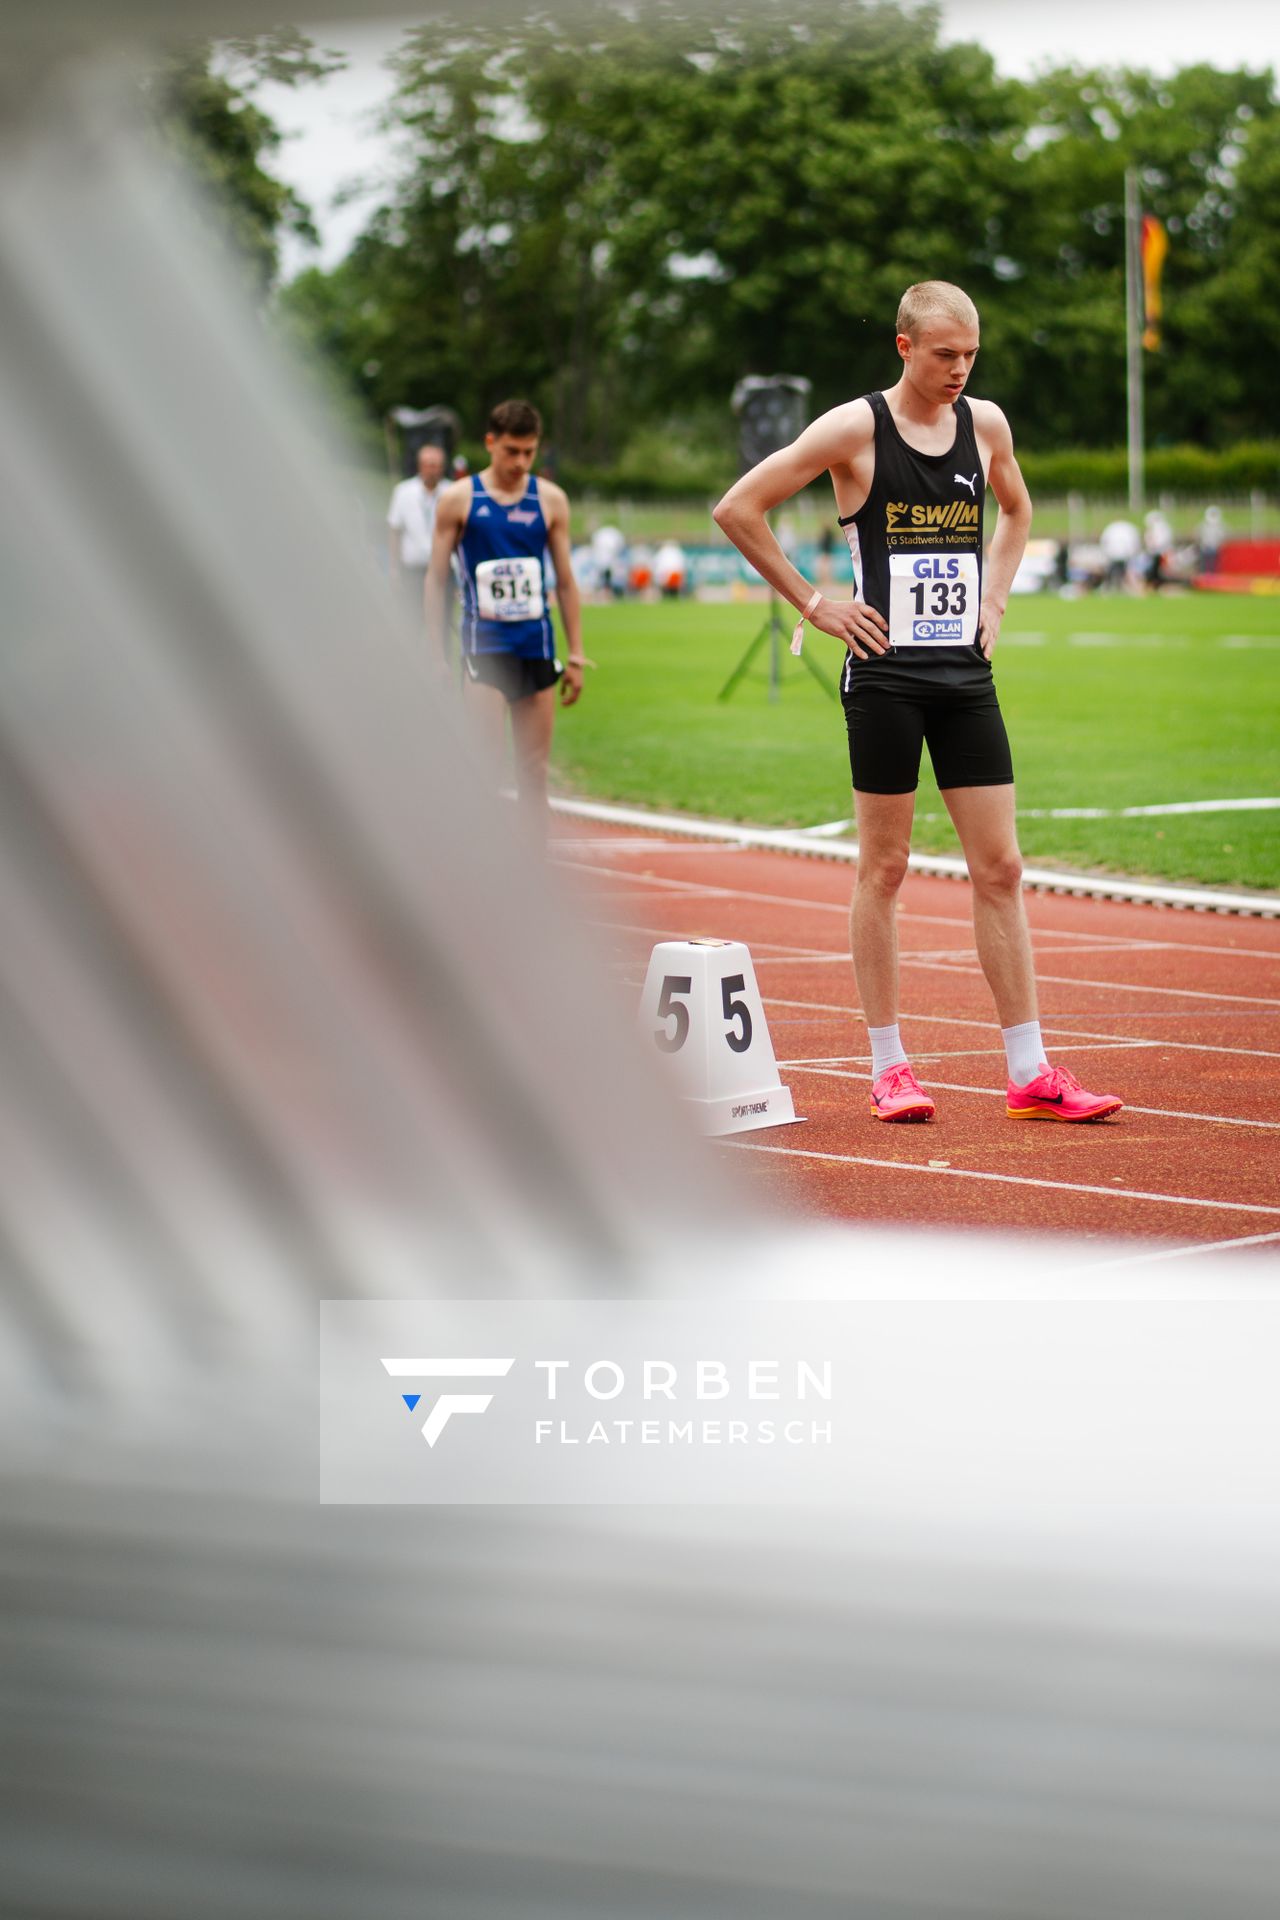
{"x": 884, "y": 842}
{"x": 532, "y": 720}
{"x": 486, "y": 711}
{"x": 984, "y": 819}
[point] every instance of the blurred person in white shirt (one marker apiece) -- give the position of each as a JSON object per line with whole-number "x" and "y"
{"x": 411, "y": 522}
{"x": 1121, "y": 544}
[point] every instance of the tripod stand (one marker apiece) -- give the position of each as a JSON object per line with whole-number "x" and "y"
{"x": 775, "y": 632}
{"x": 770, "y": 415}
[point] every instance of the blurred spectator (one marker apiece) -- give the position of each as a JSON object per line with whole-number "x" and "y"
{"x": 1037, "y": 567}
{"x": 670, "y": 567}
{"x": 461, "y": 466}
{"x": 826, "y": 547}
{"x": 609, "y": 549}
{"x": 640, "y": 571}
{"x": 411, "y": 520}
{"x": 1121, "y": 544}
{"x": 1209, "y": 537}
{"x": 1157, "y": 540}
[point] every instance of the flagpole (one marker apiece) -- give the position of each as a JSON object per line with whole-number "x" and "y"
{"x": 1133, "y": 333}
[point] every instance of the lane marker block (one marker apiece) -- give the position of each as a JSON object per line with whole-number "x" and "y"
{"x": 701, "y": 1009}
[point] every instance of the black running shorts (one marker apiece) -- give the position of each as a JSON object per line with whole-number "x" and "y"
{"x": 892, "y": 707}
{"x": 511, "y": 674}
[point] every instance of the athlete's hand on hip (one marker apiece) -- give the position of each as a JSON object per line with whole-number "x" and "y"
{"x": 571, "y": 682}
{"x": 989, "y": 618}
{"x": 863, "y": 630}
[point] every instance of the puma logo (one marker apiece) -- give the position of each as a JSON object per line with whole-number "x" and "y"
{"x": 971, "y": 484}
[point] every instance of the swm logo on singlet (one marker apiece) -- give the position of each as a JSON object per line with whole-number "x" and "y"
{"x": 953, "y": 516}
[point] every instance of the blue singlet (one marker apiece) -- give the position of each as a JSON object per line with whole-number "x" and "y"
{"x": 495, "y": 537}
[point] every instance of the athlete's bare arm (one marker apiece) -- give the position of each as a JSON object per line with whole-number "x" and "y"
{"x": 451, "y": 518}
{"x": 555, "y": 511}
{"x": 841, "y": 443}
{"x": 1004, "y": 556}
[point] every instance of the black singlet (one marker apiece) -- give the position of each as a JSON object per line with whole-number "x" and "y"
{"x": 921, "y": 526}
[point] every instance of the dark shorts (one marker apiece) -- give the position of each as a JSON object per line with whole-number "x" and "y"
{"x": 511, "y": 674}
{"x": 892, "y": 707}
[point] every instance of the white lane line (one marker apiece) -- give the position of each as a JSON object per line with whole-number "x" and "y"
{"x": 624, "y": 896}
{"x": 1109, "y": 986}
{"x": 824, "y": 1006}
{"x": 668, "y": 933}
{"x": 818, "y": 1060}
{"x": 930, "y": 1018}
{"x": 734, "y": 893}
{"x": 1159, "y": 1113}
{"x": 1139, "y": 813}
{"x": 744, "y": 1145}
{"x": 632, "y": 843}
{"x": 1126, "y": 640}
{"x": 1181, "y": 1253}
{"x": 1132, "y": 813}
{"x": 1102, "y": 942}
{"x": 1064, "y": 953}
{"x": 968, "y": 956}
{"x": 816, "y": 959}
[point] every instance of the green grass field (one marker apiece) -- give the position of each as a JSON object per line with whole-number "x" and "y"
{"x": 690, "y": 520}
{"x": 1110, "y": 702}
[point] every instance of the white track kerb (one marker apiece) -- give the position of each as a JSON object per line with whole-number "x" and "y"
{"x": 1112, "y": 886}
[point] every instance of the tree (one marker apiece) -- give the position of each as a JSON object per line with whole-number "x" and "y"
{"x": 199, "y": 100}
{"x": 1059, "y": 326}
{"x": 625, "y": 226}
{"x": 621, "y": 220}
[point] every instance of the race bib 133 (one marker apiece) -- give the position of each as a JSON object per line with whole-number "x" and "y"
{"x": 933, "y": 599}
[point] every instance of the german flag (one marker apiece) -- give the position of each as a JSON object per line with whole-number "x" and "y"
{"x": 1155, "y": 245}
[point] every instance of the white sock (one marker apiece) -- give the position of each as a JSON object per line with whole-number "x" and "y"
{"x": 1024, "y": 1050}
{"x": 887, "y": 1049}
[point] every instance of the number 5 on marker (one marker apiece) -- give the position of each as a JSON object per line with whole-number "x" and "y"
{"x": 701, "y": 1009}
{"x": 672, "y": 1008}
{"x": 736, "y": 1010}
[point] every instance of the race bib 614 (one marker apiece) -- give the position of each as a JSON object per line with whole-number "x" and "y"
{"x": 510, "y": 589}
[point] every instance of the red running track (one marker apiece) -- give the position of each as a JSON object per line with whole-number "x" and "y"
{"x": 1176, "y": 1012}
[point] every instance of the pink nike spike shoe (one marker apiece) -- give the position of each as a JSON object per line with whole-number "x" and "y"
{"x": 1055, "y": 1094}
{"x": 898, "y": 1095}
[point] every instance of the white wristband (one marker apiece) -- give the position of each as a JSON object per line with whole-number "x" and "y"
{"x": 797, "y": 638}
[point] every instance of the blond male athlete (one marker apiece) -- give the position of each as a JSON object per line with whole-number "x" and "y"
{"x": 502, "y": 523}
{"x": 910, "y": 468}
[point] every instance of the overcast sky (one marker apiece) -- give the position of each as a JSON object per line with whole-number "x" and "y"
{"x": 334, "y": 140}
